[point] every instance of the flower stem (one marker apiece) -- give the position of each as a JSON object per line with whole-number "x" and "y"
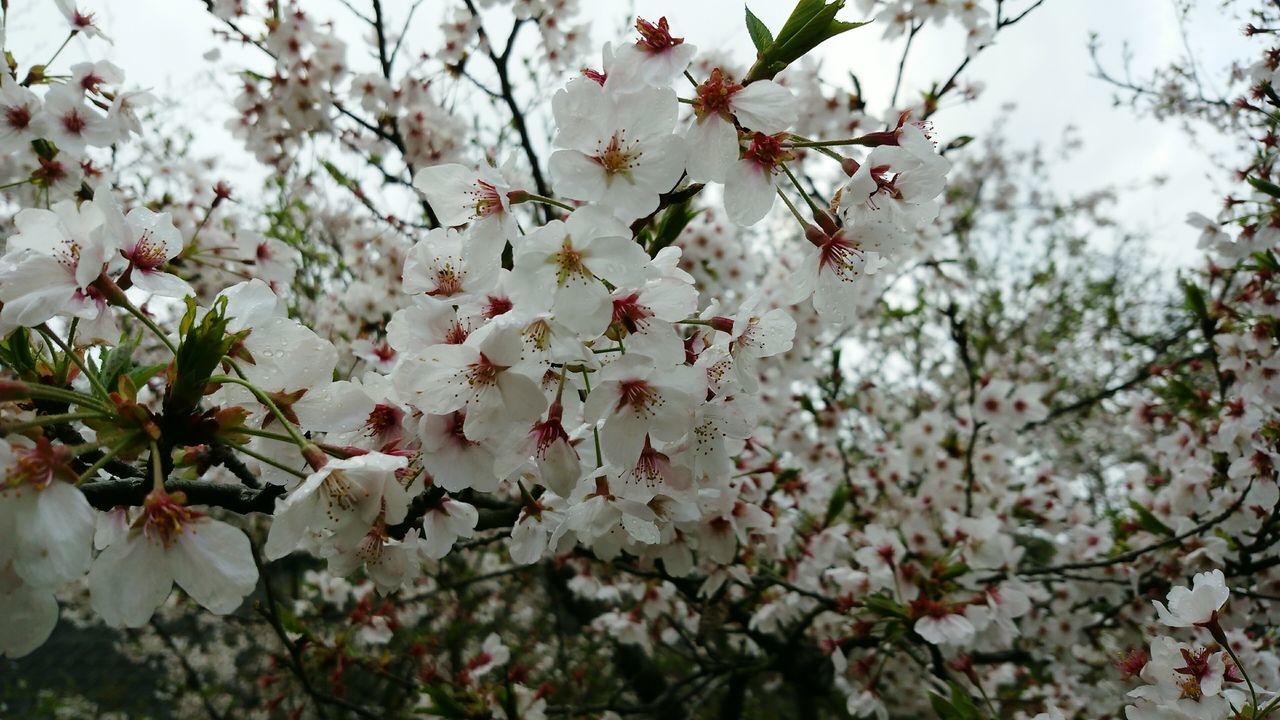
{"x": 157, "y": 472}
{"x": 101, "y": 462}
{"x": 92, "y": 377}
{"x": 71, "y": 397}
{"x": 595, "y": 429}
{"x": 61, "y": 47}
{"x": 794, "y": 212}
{"x": 42, "y": 420}
{"x": 812, "y": 205}
{"x": 268, "y": 461}
{"x": 289, "y": 427}
{"x": 533, "y": 197}
{"x": 117, "y": 297}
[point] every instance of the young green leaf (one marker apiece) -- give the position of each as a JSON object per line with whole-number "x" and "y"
{"x": 760, "y": 35}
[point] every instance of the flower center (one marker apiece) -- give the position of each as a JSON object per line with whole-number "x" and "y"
{"x": 538, "y": 335}
{"x": 569, "y": 264}
{"x": 164, "y": 516}
{"x": 382, "y": 419}
{"x": 714, "y": 95}
{"x": 767, "y": 151}
{"x": 36, "y": 466}
{"x": 148, "y": 254}
{"x": 340, "y": 492}
{"x": 638, "y": 395}
{"x": 73, "y": 123}
{"x": 619, "y": 156}
{"x": 630, "y": 314}
{"x": 488, "y": 202}
{"x": 448, "y": 280}
{"x": 18, "y": 117}
{"x": 483, "y": 372}
{"x": 842, "y": 258}
{"x": 546, "y": 433}
{"x": 655, "y": 38}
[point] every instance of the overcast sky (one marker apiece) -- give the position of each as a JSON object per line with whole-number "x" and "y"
{"x": 1041, "y": 65}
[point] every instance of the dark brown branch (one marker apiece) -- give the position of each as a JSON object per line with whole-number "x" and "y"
{"x": 108, "y": 494}
{"x": 500, "y": 66}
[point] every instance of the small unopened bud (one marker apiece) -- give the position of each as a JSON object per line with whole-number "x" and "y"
{"x": 963, "y": 664}
{"x": 35, "y": 76}
{"x": 1215, "y": 629}
{"x": 850, "y": 166}
{"x": 111, "y": 292}
{"x": 221, "y": 192}
{"x": 815, "y": 235}
{"x": 825, "y": 221}
{"x": 722, "y": 323}
{"x": 314, "y": 456}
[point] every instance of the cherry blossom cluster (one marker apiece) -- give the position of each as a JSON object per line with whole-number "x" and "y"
{"x": 539, "y": 383}
{"x": 582, "y": 376}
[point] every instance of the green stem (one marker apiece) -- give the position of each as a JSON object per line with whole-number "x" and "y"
{"x": 826, "y": 143}
{"x": 812, "y": 205}
{"x": 151, "y": 325}
{"x": 58, "y": 52}
{"x": 92, "y": 377}
{"x": 532, "y": 197}
{"x": 71, "y": 397}
{"x": 1253, "y": 693}
{"x": 42, "y": 420}
{"x": 289, "y": 427}
{"x": 595, "y": 429}
{"x": 107, "y": 457}
{"x": 794, "y": 212}
{"x": 16, "y": 183}
{"x": 268, "y": 461}
{"x": 157, "y": 472}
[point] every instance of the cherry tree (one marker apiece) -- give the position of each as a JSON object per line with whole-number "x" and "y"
{"x": 547, "y": 380}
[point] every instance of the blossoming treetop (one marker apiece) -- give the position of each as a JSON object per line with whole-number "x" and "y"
{"x": 478, "y": 420}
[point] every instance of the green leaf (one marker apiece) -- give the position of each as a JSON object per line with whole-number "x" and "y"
{"x": 839, "y": 499}
{"x": 203, "y": 346}
{"x": 760, "y": 35}
{"x": 885, "y": 606}
{"x": 811, "y": 23}
{"x": 671, "y": 224}
{"x": 801, "y": 14}
{"x": 45, "y": 149}
{"x": 140, "y": 375}
{"x": 116, "y": 362}
{"x": 958, "y": 707}
{"x": 443, "y": 705}
{"x": 18, "y": 354}
{"x": 1194, "y": 300}
{"x": 1150, "y": 522}
{"x": 953, "y": 571}
{"x": 339, "y": 176}
{"x": 1261, "y": 185}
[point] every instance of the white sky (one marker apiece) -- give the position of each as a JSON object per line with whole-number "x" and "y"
{"x": 1041, "y": 64}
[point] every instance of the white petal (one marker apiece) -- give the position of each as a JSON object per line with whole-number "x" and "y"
{"x": 57, "y": 537}
{"x": 162, "y": 283}
{"x": 576, "y": 176}
{"x": 764, "y": 106}
{"x": 27, "y": 617}
{"x": 213, "y": 562}
{"x": 713, "y": 149}
{"x": 128, "y": 581}
{"x": 748, "y": 194}
{"x": 337, "y": 407}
